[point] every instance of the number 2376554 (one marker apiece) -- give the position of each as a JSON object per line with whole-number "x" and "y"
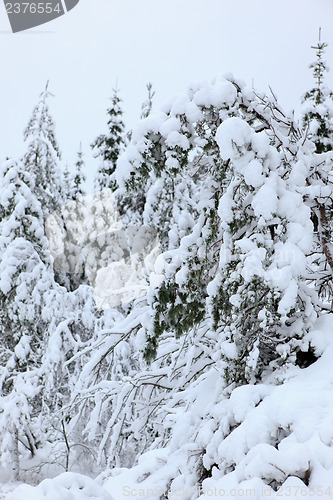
{"x": 33, "y": 8}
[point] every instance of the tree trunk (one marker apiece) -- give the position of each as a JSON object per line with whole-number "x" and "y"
{"x": 16, "y": 458}
{"x": 325, "y": 236}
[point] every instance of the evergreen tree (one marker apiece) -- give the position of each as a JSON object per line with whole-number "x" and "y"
{"x": 318, "y": 127}
{"x": 26, "y": 279}
{"x": 69, "y": 266}
{"x": 200, "y": 286}
{"x": 43, "y": 328}
{"x": 262, "y": 304}
{"x": 318, "y": 113}
{"x": 148, "y": 104}
{"x": 64, "y": 225}
{"x": 109, "y": 146}
{"x": 43, "y": 155}
{"x": 79, "y": 177}
{"x": 68, "y": 183}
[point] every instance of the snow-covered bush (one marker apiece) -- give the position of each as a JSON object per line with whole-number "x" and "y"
{"x": 67, "y": 486}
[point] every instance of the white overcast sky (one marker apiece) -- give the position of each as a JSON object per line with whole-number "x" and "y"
{"x": 168, "y": 42}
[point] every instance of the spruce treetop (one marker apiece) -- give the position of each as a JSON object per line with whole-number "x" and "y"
{"x": 79, "y": 178}
{"x": 41, "y": 124}
{"x": 21, "y": 211}
{"x": 215, "y": 167}
{"x": 148, "y": 103}
{"x": 318, "y": 113}
{"x": 109, "y": 146}
{"x": 43, "y": 155}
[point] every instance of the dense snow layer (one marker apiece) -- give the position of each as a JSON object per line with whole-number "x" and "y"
{"x": 278, "y": 433}
{"x": 67, "y": 486}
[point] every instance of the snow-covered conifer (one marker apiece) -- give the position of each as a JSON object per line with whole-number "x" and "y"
{"x": 42, "y": 326}
{"x": 202, "y": 230}
{"x": 68, "y": 182}
{"x": 66, "y": 225}
{"x": 42, "y": 157}
{"x": 318, "y": 127}
{"x": 148, "y": 103}
{"x": 317, "y": 104}
{"x": 26, "y": 278}
{"x": 259, "y": 297}
{"x": 109, "y": 146}
{"x": 79, "y": 177}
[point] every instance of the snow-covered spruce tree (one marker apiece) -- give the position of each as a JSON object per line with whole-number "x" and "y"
{"x": 147, "y": 105}
{"x": 68, "y": 182}
{"x": 317, "y": 108}
{"x": 213, "y": 276}
{"x": 77, "y": 275}
{"x": 317, "y": 115}
{"x": 26, "y": 278}
{"x": 109, "y": 146}
{"x": 259, "y": 298}
{"x": 65, "y": 225}
{"x": 79, "y": 177}
{"x": 42, "y": 328}
{"x": 66, "y": 248}
{"x": 43, "y": 155}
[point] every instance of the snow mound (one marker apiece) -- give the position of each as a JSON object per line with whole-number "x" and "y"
{"x": 273, "y": 439}
{"x": 67, "y": 486}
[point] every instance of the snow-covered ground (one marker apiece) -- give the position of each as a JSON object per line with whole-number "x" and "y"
{"x": 283, "y": 430}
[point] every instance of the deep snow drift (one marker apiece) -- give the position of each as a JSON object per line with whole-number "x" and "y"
{"x": 271, "y": 440}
